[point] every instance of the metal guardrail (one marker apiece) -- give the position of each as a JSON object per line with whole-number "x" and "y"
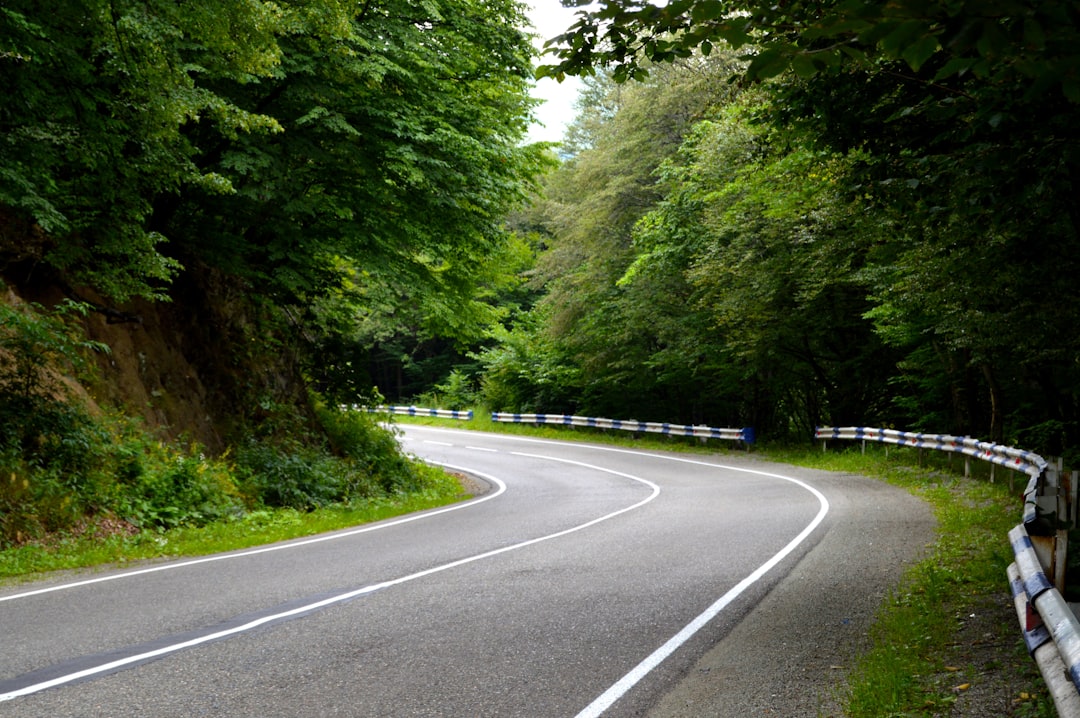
{"x": 418, "y": 411}
{"x": 1023, "y": 461}
{"x": 744, "y": 435}
{"x": 1050, "y": 627}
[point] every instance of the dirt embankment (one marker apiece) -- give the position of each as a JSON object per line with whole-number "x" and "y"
{"x": 197, "y": 367}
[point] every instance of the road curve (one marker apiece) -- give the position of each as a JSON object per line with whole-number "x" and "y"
{"x": 588, "y": 581}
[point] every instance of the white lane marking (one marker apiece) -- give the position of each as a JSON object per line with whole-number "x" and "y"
{"x": 165, "y": 650}
{"x": 628, "y": 681}
{"x": 263, "y": 549}
{"x": 624, "y": 684}
{"x": 482, "y": 448}
{"x": 437, "y": 443}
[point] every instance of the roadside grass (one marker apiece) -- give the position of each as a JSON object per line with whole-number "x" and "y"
{"x": 109, "y": 549}
{"x": 947, "y": 641}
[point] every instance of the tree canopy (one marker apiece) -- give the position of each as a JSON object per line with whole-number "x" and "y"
{"x": 879, "y": 226}
{"x": 303, "y": 180}
{"x": 270, "y": 139}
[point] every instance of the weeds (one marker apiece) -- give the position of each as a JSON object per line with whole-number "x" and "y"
{"x": 78, "y": 488}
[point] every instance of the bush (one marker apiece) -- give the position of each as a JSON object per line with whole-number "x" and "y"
{"x": 292, "y": 476}
{"x": 458, "y": 392}
{"x": 371, "y": 451}
{"x": 61, "y": 467}
{"x": 180, "y": 489}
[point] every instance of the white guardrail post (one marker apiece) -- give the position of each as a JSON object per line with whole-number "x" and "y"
{"x": 1050, "y": 628}
{"x": 418, "y": 411}
{"x": 744, "y": 435}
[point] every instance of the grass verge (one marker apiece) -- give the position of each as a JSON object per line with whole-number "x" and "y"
{"x": 946, "y": 642}
{"x": 103, "y": 547}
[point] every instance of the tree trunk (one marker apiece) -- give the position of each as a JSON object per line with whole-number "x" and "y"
{"x": 997, "y": 422}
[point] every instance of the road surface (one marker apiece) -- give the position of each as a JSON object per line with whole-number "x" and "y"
{"x": 586, "y": 581}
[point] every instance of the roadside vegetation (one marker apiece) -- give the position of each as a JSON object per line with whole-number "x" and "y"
{"x": 947, "y": 641}
{"x": 81, "y": 486}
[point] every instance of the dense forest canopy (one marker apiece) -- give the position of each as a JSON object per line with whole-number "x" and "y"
{"x": 872, "y": 220}
{"x": 323, "y": 156}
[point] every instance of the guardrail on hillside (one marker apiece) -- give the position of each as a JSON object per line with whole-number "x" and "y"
{"x": 418, "y": 411}
{"x": 1037, "y": 576}
{"x": 744, "y": 435}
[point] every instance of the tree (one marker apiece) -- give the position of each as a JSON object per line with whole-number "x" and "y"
{"x": 1025, "y": 45}
{"x": 961, "y": 115}
{"x": 266, "y": 165}
{"x": 770, "y": 247}
{"x": 592, "y": 205}
{"x": 97, "y": 94}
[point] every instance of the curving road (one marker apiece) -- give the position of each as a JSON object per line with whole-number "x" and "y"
{"x": 587, "y": 581}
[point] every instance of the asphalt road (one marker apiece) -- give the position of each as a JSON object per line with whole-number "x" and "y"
{"x": 587, "y": 581}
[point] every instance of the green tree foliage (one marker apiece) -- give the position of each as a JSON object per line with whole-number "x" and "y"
{"x": 267, "y": 139}
{"x": 946, "y": 128}
{"x": 329, "y": 160}
{"x": 592, "y": 204}
{"x": 96, "y": 98}
{"x": 399, "y": 152}
{"x": 1023, "y": 45}
{"x": 767, "y": 247}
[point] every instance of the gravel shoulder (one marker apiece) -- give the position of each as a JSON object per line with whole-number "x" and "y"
{"x": 791, "y": 654}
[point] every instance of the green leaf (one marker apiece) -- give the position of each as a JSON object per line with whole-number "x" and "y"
{"x": 803, "y": 66}
{"x": 1071, "y": 88}
{"x": 902, "y": 37}
{"x": 992, "y": 42}
{"x": 955, "y": 66}
{"x": 767, "y": 63}
{"x": 706, "y": 10}
{"x": 734, "y": 33}
{"x": 920, "y": 51}
{"x": 1034, "y": 37}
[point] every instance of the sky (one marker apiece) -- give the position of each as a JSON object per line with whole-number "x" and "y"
{"x": 549, "y": 19}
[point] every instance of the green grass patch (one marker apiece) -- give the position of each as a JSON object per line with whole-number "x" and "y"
{"x": 949, "y": 628}
{"x": 254, "y": 528}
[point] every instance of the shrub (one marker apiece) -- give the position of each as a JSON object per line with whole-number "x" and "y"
{"x": 457, "y": 392}
{"x": 173, "y": 489}
{"x": 290, "y": 475}
{"x": 370, "y": 450}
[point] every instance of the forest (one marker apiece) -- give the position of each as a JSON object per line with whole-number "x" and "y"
{"x": 224, "y": 219}
{"x": 787, "y": 216}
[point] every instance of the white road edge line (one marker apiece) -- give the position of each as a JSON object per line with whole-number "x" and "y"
{"x": 165, "y": 650}
{"x": 263, "y": 549}
{"x": 624, "y": 684}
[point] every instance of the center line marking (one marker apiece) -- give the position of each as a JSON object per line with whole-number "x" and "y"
{"x": 165, "y": 650}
